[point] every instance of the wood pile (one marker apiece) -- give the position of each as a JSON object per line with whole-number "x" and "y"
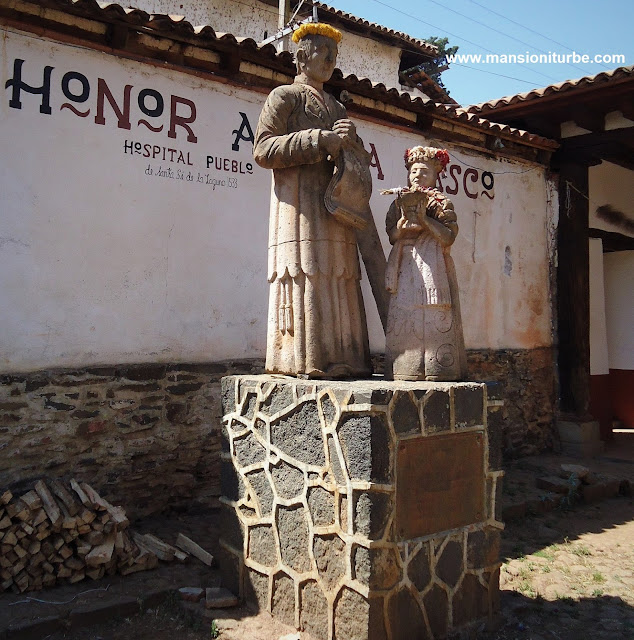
{"x": 56, "y": 533}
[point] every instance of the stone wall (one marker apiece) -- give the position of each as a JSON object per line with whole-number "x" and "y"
{"x": 336, "y": 522}
{"x": 528, "y": 388}
{"x": 147, "y": 436}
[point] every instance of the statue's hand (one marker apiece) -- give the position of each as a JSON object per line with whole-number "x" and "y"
{"x": 331, "y": 142}
{"x": 345, "y": 128}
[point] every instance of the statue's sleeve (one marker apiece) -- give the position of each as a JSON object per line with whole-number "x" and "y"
{"x": 275, "y": 147}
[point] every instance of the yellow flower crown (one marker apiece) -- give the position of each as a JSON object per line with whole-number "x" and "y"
{"x": 317, "y": 28}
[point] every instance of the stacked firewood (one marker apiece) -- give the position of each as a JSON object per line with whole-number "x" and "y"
{"x": 56, "y": 533}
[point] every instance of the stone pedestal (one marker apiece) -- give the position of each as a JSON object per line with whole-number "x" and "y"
{"x": 362, "y": 510}
{"x": 580, "y": 439}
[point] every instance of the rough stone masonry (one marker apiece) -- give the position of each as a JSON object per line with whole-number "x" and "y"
{"x": 362, "y": 510}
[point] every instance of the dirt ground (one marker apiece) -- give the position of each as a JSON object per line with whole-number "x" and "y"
{"x": 566, "y": 575}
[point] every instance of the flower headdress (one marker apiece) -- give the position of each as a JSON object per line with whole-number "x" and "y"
{"x": 440, "y": 157}
{"x": 316, "y": 28}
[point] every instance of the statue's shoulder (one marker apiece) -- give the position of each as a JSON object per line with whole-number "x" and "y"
{"x": 286, "y": 92}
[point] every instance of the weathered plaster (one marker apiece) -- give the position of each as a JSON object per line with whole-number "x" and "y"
{"x": 619, "y": 308}
{"x": 611, "y": 184}
{"x": 102, "y": 263}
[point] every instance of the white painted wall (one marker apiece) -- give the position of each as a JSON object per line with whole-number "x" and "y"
{"x": 619, "y": 308}
{"x": 363, "y": 57}
{"x": 599, "y": 364}
{"x": 244, "y": 19}
{"x": 367, "y": 58}
{"x": 102, "y": 263}
{"x": 614, "y": 185}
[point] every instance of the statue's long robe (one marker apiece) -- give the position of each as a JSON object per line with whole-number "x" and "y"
{"x": 316, "y": 316}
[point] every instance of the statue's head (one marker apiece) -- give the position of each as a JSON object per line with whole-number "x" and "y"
{"x": 316, "y": 54}
{"x": 424, "y": 164}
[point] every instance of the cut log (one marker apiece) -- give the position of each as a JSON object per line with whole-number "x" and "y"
{"x": 81, "y": 494}
{"x": 32, "y": 500}
{"x": 38, "y": 518}
{"x": 71, "y": 505}
{"x": 94, "y": 538}
{"x": 87, "y": 516}
{"x": 96, "y": 501}
{"x": 10, "y": 538}
{"x": 154, "y": 545}
{"x": 6, "y": 497}
{"x": 65, "y": 551}
{"x": 50, "y": 505}
{"x": 188, "y": 545}
{"x": 101, "y": 554}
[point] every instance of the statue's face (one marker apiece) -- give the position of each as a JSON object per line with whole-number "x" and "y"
{"x": 422, "y": 174}
{"x": 320, "y": 62}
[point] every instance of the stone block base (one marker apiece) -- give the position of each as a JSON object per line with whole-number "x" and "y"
{"x": 361, "y": 510}
{"x": 580, "y": 439}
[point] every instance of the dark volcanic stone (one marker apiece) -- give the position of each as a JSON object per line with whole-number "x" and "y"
{"x": 141, "y": 373}
{"x": 299, "y": 435}
{"x": 184, "y": 388}
{"x": 469, "y": 405}
{"x": 288, "y": 480}
{"x": 449, "y": 566}
{"x": 263, "y": 492}
{"x": 495, "y": 429}
{"x": 228, "y": 394}
{"x": 419, "y": 568}
{"x": 357, "y": 618}
{"x": 436, "y": 604}
{"x": 366, "y": 444}
{"x": 262, "y": 545}
{"x": 293, "y": 533}
{"x": 495, "y": 390}
{"x": 322, "y": 506}
{"x": 314, "y": 610}
{"x": 248, "y": 450}
{"x": 483, "y": 548}
{"x": 328, "y": 409}
{"x": 229, "y": 565}
{"x": 249, "y": 405}
{"x": 377, "y": 568}
{"x": 175, "y": 412}
{"x": 283, "y": 602}
{"x": 257, "y": 589}
{"x": 231, "y": 484}
{"x": 436, "y": 413}
{"x": 372, "y": 512}
{"x": 351, "y": 615}
{"x": 231, "y": 528}
{"x": 406, "y": 618}
{"x": 330, "y": 556}
{"x": 405, "y": 414}
{"x": 470, "y": 602}
{"x": 279, "y": 399}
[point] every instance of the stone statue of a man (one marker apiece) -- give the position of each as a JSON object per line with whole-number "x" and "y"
{"x": 316, "y": 321}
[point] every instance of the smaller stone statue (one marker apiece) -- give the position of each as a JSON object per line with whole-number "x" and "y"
{"x": 424, "y": 339}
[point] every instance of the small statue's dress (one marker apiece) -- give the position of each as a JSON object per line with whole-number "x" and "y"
{"x": 424, "y": 339}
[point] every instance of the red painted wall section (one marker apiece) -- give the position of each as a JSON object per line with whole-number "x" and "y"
{"x": 622, "y": 395}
